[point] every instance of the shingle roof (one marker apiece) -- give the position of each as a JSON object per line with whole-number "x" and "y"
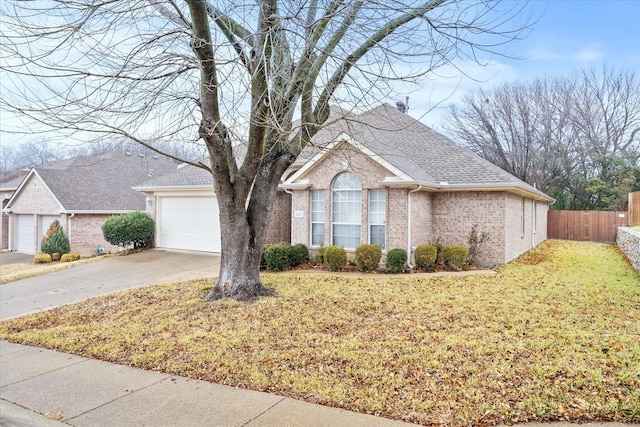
{"x": 400, "y": 140}
{"x": 102, "y": 183}
{"x": 413, "y": 148}
{"x": 184, "y": 176}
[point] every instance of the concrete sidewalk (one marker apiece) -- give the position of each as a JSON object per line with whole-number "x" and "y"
{"x": 60, "y": 389}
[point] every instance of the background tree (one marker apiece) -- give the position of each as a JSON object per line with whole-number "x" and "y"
{"x": 252, "y": 81}
{"x": 576, "y": 138}
{"x": 28, "y": 155}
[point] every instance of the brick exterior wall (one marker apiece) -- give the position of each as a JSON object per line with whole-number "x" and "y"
{"x": 279, "y": 229}
{"x": 4, "y": 227}
{"x": 454, "y": 213}
{"x": 85, "y": 234}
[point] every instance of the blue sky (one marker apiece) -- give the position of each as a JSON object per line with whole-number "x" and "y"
{"x": 568, "y": 35}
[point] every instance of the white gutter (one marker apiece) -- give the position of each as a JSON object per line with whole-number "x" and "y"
{"x": 409, "y": 224}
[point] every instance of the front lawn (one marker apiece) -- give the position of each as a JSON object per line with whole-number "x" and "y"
{"x": 553, "y": 336}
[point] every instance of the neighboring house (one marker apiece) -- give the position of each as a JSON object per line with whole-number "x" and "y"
{"x": 81, "y": 193}
{"x": 8, "y": 186}
{"x": 378, "y": 177}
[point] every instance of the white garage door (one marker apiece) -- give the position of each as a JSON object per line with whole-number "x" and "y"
{"x": 189, "y": 223}
{"x": 24, "y": 234}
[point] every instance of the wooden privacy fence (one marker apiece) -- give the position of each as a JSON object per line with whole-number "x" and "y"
{"x": 634, "y": 208}
{"x": 593, "y": 226}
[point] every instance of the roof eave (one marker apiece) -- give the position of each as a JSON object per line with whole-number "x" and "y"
{"x": 155, "y": 188}
{"x": 443, "y": 187}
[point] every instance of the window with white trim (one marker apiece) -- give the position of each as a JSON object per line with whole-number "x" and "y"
{"x": 317, "y": 217}
{"x": 377, "y": 217}
{"x": 346, "y": 211}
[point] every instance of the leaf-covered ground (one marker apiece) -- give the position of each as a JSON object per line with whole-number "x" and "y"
{"x": 555, "y": 335}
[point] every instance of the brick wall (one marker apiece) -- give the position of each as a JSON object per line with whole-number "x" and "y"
{"x": 279, "y": 229}
{"x": 85, "y": 234}
{"x": 35, "y": 197}
{"x": 454, "y": 213}
{"x": 4, "y": 227}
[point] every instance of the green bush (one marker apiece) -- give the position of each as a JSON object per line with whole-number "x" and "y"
{"x": 368, "y": 257}
{"x": 55, "y": 240}
{"x": 42, "y": 258}
{"x": 277, "y": 256}
{"x": 134, "y": 227}
{"x": 70, "y": 257}
{"x": 396, "y": 261}
{"x": 426, "y": 256}
{"x": 454, "y": 256}
{"x": 298, "y": 254}
{"x": 335, "y": 258}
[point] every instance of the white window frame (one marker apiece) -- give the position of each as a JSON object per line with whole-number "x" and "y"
{"x": 316, "y": 215}
{"x": 372, "y": 209}
{"x": 349, "y": 196}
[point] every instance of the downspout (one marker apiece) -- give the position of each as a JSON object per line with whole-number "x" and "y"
{"x": 409, "y": 225}
{"x": 69, "y": 226}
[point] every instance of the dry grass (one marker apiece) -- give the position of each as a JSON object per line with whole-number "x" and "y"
{"x": 13, "y": 272}
{"x": 553, "y": 336}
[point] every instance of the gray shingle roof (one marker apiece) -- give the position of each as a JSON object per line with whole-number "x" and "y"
{"x": 184, "y": 176}
{"x": 410, "y": 146}
{"x": 414, "y": 148}
{"x": 102, "y": 183}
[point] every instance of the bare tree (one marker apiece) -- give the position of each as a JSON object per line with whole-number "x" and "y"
{"x": 259, "y": 74}
{"x": 29, "y": 154}
{"x": 557, "y": 134}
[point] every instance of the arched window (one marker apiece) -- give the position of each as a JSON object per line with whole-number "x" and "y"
{"x": 346, "y": 210}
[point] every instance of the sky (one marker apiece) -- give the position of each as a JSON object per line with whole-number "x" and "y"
{"x": 567, "y": 35}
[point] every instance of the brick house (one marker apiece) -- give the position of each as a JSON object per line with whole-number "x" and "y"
{"x": 377, "y": 177}
{"x": 8, "y": 186}
{"x": 81, "y": 193}
{"x": 383, "y": 177}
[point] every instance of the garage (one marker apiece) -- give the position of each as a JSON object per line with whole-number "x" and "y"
{"x": 23, "y": 234}
{"x": 188, "y": 222}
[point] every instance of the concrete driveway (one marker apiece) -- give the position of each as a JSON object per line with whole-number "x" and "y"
{"x": 103, "y": 277}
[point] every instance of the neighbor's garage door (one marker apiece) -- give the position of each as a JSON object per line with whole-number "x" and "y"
{"x": 23, "y": 237}
{"x": 189, "y": 223}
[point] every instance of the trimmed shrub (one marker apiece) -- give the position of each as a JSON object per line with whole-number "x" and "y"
{"x": 298, "y": 254}
{"x": 277, "y": 256}
{"x": 396, "y": 261}
{"x": 134, "y": 227}
{"x": 70, "y": 257}
{"x": 368, "y": 257}
{"x": 454, "y": 256}
{"x": 335, "y": 258}
{"x": 42, "y": 258}
{"x": 55, "y": 240}
{"x": 426, "y": 256}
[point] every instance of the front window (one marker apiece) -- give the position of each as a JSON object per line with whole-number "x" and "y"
{"x": 346, "y": 210}
{"x": 317, "y": 217}
{"x": 377, "y": 217}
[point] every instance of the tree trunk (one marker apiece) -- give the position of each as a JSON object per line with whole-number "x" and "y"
{"x": 239, "y": 276}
